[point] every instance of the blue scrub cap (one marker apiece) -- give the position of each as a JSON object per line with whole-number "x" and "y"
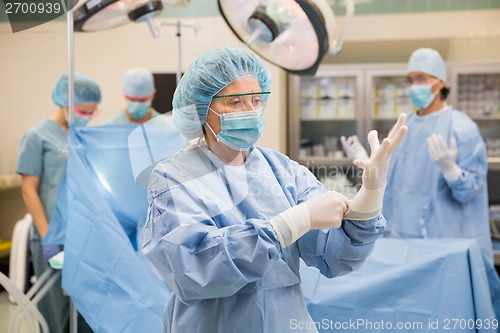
{"x": 427, "y": 61}
{"x": 206, "y": 76}
{"x": 138, "y": 82}
{"x": 86, "y": 90}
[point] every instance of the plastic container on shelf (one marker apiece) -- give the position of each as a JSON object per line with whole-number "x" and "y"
{"x": 327, "y": 108}
{"x": 346, "y": 108}
{"x": 308, "y": 87}
{"x": 331, "y": 144}
{"x": 308, "y": 108}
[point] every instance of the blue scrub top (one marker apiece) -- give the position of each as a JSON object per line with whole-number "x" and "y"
{"x": 42, "y": 153}
{"x": 420, "y": 203}
{"x": 208, "y": 235}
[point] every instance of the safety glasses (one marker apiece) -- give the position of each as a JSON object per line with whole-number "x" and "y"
{"x": 86, "y": 114}
{"x": 241, "y": 102}
{"x": 419, "y": 79}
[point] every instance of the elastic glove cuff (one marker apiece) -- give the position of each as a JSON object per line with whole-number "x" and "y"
{"x": 291, "y": 224}
{"x": 452, "y": 173}
{"x": 366, "y": 204}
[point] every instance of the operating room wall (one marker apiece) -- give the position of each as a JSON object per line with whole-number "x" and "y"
{"x": 31, "y": 61}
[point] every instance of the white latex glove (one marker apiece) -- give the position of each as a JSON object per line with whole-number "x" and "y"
{"x": 327, "y": 210}
{"x": 368, "y": 201}
{"x": 321, "y": 212}
{"x": 444, "y": 157}
{"x": 353, "y": 148}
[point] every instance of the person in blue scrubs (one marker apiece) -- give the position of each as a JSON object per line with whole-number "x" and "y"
{"x": 42, "y": 165}
{"x": 228, "y": 221}
{"x": 437, "y": 185}
{"x": 139, "y": 92}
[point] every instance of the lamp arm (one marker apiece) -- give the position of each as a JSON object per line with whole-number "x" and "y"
{"x": 336, "y": 45}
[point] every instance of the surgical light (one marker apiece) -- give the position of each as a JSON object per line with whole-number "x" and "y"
{"x": 293, "y": 34}
{"x": 95, "y": 15}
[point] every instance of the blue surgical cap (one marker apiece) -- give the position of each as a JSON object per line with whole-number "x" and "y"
{"x": 86, "y": 90}
{"x": 427, "y": 61}
{"x": 138, "y": 82}
{"x": 208, "y": 74}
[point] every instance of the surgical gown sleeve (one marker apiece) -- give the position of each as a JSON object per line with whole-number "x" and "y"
{"x": 198, "y": 259}
{"x": 471, "y": 159}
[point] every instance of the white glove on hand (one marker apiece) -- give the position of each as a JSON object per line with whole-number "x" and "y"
{"x": 327, "y": 210}
{"x": 444, "y": 157}
{"x": 321, "y": 212}
{"x": 368, "y": 201}
{"x": 353, "y": 148}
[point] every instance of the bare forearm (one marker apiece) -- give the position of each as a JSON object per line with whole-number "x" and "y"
{"x": 35, "y": 208}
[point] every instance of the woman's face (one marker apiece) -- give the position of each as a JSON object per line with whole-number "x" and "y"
{"x": 234, "y": 104}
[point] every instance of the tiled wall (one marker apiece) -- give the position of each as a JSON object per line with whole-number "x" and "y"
{"x": 362, "y": 7}
{"x": 373, "y": 7}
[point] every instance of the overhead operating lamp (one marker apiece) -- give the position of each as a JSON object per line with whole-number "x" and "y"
{"x": 293, "y": 34}
{"x": 94, "y": 15}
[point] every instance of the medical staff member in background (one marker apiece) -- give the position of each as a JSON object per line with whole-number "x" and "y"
{"x": 228, "y": 221}
{"x": 139, "y": 91}
{"x": 42, "y": 165}
{"x": 437, "y": 186}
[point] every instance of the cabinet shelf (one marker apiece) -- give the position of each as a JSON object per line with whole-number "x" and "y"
{"x": 9, "y": 181}
{"x": 494, "y": 163}
{"x": 492, "y": 117}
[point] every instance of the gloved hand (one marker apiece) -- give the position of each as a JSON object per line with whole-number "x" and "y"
{"x": 444, "y": 157}
{"x": 367, "y": 203}
{"x": 323, "y": 211}
{"x": 327, "y": 210}
{"x": 353, "y": 148}
{"x": 50, "y": 250}
{"x": 376, "y": 167}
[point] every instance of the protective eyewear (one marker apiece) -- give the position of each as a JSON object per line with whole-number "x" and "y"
{"x": 419, "y": 79}
{"x": 86, "y": 114}
{"x": 241, "y": 102}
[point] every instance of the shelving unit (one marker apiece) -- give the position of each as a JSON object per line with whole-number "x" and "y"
{"x": 322, "y": 109}
{"x": 476, "y": 91}
{"x": 353, "y": 99}
{"x": 342, "y": 101}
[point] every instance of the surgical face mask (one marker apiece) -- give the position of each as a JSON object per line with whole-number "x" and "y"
{"x": 138, "y": 110}
{"x": 421, "y": 95}
{"x": 240, "y": 130}
{"x": 81, "y": 121}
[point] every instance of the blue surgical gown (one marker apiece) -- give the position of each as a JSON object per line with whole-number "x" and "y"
{"x": 208, "y": 234}
{"x": 420, "y": 203}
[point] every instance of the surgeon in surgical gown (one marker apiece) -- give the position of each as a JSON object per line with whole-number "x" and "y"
{"x": 228, "y": 221}
{"x": 437, "y": 186}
